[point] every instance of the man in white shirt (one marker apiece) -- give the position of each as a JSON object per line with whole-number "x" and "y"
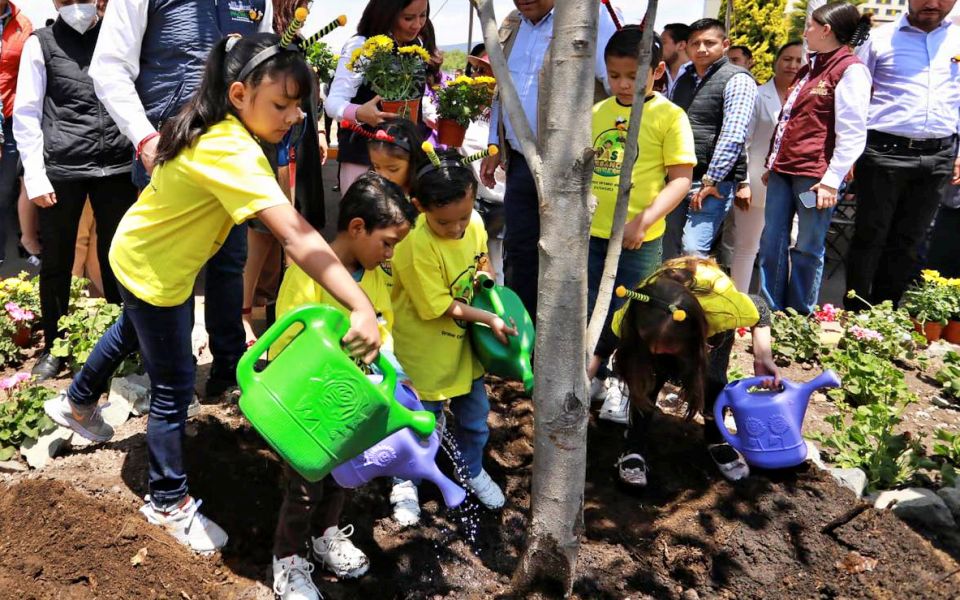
{"x": 674, "y": 36}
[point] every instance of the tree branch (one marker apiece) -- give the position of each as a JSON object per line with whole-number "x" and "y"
{"x": 601, "y": 308}
{"x": 507, "y": 90}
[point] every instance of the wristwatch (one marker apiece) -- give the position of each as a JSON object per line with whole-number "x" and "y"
{"x": 707, "y": 182}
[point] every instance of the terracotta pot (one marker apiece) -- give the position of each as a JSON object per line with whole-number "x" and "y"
{"x": 406, "y": 109}
{"x": 450, "y": 133}
{"x": 951, "y": 332}
{"x": 933, "y": 330}
{"x": 22, "y": 336}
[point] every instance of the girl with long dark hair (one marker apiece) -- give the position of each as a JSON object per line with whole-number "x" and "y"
{"x": 211, "y": 174}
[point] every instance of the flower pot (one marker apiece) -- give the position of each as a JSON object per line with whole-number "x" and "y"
{"x": 933, "y": 330}
{"x": 406, "y": 109}
{"x": 951, "y": 332}
{"x": 450, "y": 133}
{"x": 22, "y": 336}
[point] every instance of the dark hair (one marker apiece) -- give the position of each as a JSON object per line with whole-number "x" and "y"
{"x": 211, "y": 105}
{"x": 746, "y": 51}
{"x": 283, "y": 12}
{"x": 647, "y": 323}
{"x": 786, "y": 47}
{"x": 626, "y": 44}
{"x": 380, "y": 15}
{"x": 407, "y": 134}
{"x": 848, "y": 25}
{"x": 477, "y": 51}
{"x": 707, "y": 24}
{"x": 679, "y": 32}
{"x": 378, "y": 201}
{"x": 443, "y": 185}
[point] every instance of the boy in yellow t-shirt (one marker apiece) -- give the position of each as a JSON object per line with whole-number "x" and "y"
{"x": 433, "y": 279}
{"x": 661, "y": 178}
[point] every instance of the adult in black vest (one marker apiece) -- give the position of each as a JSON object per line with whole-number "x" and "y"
{"x": 147, "y": 65}
{"x": 406, "y": 21}
{"x": 70, "y": 148}
{"x": 718, "y": 97}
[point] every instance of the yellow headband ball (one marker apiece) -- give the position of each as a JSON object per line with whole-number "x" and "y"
{"x": 301, "y": 14}
{"x": 493, "y": 150}
{"x": 679, "y": 315}
{"x": 342, "y": 19}
{"x": 427, "y": 147}
{"x": 621, "y": 291}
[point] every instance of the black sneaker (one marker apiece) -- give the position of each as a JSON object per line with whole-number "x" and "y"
{"x": 219, "y": 386}
{"x": 632, "y": 470}
{"x": 48, "y": 367}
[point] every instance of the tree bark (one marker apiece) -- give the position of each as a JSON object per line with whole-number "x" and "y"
{"x": 615, "y": 247}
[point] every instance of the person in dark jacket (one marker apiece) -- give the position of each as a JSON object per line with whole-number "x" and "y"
{"x": 71, "y": 149}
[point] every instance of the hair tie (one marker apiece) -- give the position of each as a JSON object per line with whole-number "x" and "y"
{"x": 678, "y": 314}
{"x": 232, "y": 40}
{"x": 313, "y": 39}
{"x": 490, "y": 150}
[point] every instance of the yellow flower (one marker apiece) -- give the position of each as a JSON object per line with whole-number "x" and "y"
{"x": 462, "y": 80}
{"x": 418, "y": 50}
{"x": 484, "y": 80}
{"x": 381, "y": 42}
{"x": 929, "y": 274}
{"x": 354, "y": 58}
{"x": 25, "y": 287}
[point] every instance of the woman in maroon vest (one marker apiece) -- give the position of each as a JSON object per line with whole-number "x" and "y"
{"x": 821, "y": 133}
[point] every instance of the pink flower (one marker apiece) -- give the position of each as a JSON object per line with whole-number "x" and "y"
{"x": 869, "y": 335}
{"x": 827, "y": 314}
{"x": 18, "y": 314}
{"x": 13, "y": 381}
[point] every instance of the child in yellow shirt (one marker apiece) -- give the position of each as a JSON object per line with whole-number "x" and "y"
{"x": 434, "y": 271}
{"x": 374, "y": 217}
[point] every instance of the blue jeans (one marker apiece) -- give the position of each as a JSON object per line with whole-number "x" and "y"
{"x": 792, "y": 279}
{"x": 521, "y": 208}
{"x": 693, "y": 232}
{"x": 470, "y": 429}
{"x": 163, "y": 336}
{"x": 634, "y": 266}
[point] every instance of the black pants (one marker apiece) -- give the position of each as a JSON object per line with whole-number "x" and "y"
{"x": 899, "y": 191}
{"x": 665, "y": 367}
{"x": 521, "y": 207}
{"x": 110, "y": 197}
{"x": 944, "y": 253}
{"x": 303, "y": 500}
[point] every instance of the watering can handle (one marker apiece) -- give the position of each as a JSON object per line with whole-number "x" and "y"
{"x": 722, "y": 403}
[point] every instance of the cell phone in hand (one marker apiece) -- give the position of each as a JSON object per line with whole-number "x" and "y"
{"x": 809, "y": 199}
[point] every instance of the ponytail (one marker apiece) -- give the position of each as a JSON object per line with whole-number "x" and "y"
{"x": 862, "y": 32}
{"x": 229, "y": 59}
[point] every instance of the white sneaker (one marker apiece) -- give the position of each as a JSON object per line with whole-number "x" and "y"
{"x": 598, "y": 389}
{"x": 338, "y": 554}
{"x": 187, "y": 525}
{"x": 486, "y": 490}
{"x": 406, "y": 503}
{"x": 616, "y": 402}
{"x": 632, "y": 470}
{"x": 733, "y": 466}
{"x": 292, "y": 580}
{"x": 84, "y": 420}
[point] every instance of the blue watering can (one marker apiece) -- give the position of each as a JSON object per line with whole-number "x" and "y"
{"x": 769, "y": 422}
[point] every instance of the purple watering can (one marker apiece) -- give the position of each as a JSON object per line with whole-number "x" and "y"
{"x": 403, "y": 455}
{"x": 769, "y": 423}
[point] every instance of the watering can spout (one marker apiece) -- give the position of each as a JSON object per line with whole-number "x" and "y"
{"x": 827, "y": 379}
{"x": 423, "y": 423}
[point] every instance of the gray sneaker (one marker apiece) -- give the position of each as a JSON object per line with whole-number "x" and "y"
{"x": 84, "y": 420}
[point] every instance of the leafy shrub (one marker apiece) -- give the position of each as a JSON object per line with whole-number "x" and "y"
{"x": 87, "y": 321}
{"x": 10, "y": 353}
{"x": 946, "y": 449}
{"x": 795, "y": 337}
{"x": 867, "y": 378}
{"x": 949, "y": 375}
{"x": 21, "y": 414}
{"x": 897, "y": 338}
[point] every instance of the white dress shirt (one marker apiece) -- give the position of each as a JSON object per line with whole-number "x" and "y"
{"x": 672, "y": 81}
{"x": 116, "y": 63}
{"x": 916, "y": 81}
{"x": 852, "y": 105}
{"x": 27, "y": 116}
{"x": 526, "y": 63}
{"x": 345, "y": 84}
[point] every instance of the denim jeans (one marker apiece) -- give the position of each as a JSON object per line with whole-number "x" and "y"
{"x": 694, "y": 232}
{"x": 521, "y": 207}
{"x": 163, "y": 336}
{"x": 470, "y": 429}
{"x": 792, "y": 279}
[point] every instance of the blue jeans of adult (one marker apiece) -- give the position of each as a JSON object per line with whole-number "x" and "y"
{"x": 470, "y": 429}
{"x": 9, "y": 183}
{"x": 163, "y": 336}
{"x": 790, "y": 277}
{"x": 223, "y": 289}
{"x": 692, "y": 232}
{"x": 521, "y": 207}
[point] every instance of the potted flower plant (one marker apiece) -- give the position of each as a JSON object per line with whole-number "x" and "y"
{"x": 397, "y": 74}
{"x": 928, "y": 302}
{"x": 951, "y": 332}
{"x": 458, "y": 103}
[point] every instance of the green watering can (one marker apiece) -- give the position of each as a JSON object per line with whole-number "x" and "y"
{"x": 312, "y": 403}
{"x": 510, "y": 361}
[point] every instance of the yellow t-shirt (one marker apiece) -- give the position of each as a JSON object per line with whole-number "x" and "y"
{"x": 665, "y": 140}
{"x": 183, "y": 216}
{"x": 298, "y": 288}
{"x": 429, "y": 273}
{"x": 724, "y": 307}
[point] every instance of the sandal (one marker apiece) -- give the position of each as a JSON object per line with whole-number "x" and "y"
{"x": 632, "y": 470}
{"x": 731, "y": 463}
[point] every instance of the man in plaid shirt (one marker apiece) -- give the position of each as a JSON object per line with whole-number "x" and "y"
{"x": 718, "y": 97}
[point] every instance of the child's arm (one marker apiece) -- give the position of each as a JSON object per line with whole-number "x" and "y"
{"x": 310, "y": 251}
{"x": 763, "y": 363}
{"x": 464, "y": 312}
{"x": 679, "y": 178}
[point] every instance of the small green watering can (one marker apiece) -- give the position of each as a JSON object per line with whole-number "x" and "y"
{"x": 511, "y": 361}
{"x": 312, "y": 403}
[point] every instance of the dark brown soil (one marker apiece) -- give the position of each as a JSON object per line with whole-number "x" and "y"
{"x": 72, "y": 532}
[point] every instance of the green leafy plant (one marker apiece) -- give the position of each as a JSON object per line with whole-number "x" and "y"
{"x": 897, "y": 338}
{"x": 21, "y": 414}
{"x": 465, "y": 98}
{"x": 795, "y": 337}
{"x": 394, "y": 73}
{"x": 864, "y": 438}
{"x": 867, "y": 378}
{"x": 931, "y": 299}
{"x": 946, "y": 450}
{"x": 10, "y": 353}
{"x": 323, "y": 60}
{"x": 22, "y": 290}
{"x": 82, "y": 327}
{"x": 949, "y": 374}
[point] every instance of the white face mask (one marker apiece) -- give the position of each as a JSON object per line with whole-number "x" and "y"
{"x": 79, "y": 16}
